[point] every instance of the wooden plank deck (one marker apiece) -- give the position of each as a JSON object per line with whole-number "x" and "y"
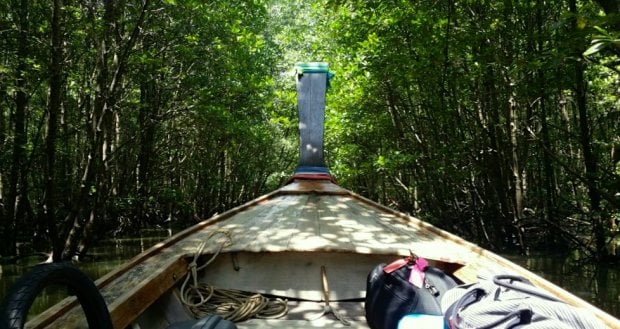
{"x": 314, "y": 222}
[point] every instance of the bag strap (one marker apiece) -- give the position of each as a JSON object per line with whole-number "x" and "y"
{"x": 520, "y": 316}
{"x": 418, "y": 265}
{"x": 471, "y": 296}
{"x": 506, "y": 281}
{"x": 395, "y": 265}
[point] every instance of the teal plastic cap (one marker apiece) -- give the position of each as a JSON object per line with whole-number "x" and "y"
{"x": 418, "y": 321}
{"x": 312, "y": 67}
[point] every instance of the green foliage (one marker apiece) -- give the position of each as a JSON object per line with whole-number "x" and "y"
{"x": 465, "y": 113}
{"x": 192, "y": 131}
{"x": 439, "y": 109}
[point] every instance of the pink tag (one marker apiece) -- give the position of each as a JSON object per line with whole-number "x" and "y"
{"x": 417, "y": 272}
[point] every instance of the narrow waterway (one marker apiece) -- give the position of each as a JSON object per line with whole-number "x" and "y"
{"x": 102, "y": 259}
{"x": 596, "y": 284}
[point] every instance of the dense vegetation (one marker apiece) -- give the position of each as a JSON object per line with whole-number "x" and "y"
{"x": 497, "y": 120}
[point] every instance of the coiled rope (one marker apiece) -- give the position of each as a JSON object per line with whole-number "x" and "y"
{"x": 235, "y": 305}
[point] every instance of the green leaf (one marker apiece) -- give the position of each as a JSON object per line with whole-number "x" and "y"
{"x": 601, "y": 30}
{"x": 595, "y": 48}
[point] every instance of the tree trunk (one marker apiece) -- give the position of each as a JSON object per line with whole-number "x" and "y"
{"x": 547, "y": 147}
{"x": 18, "y": 183}
{"x": 147, "y": 124}
{"x": 585, "y": 138}
{"x": 517, "y": 174}
{"x": 102, "y": 130}
{"x": 498, "y": 196}
{"x": 96, "y": 179}
{"x": 514, "y": 204}
{"x": 55, "y": 101}
{"x": 90, "y": 188}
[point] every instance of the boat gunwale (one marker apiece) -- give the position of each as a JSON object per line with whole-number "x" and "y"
{"x": 63, "y": 307}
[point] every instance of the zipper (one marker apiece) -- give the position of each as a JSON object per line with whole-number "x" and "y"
{"x": 428, "y": 285}
{"x": 431, "y": 287}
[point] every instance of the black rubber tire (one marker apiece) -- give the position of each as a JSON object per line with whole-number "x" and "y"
{"x": 16, "y": 305}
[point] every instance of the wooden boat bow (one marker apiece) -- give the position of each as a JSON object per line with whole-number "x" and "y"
{"x": 280, "y": 239}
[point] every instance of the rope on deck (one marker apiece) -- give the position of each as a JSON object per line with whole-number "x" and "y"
{"x": 235, "y": 305}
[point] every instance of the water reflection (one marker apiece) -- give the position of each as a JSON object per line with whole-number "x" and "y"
{"x": 103, "y": 258}
{"x": 595, "y": 283}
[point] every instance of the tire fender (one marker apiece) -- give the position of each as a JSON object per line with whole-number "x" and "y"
{"x": 17, "y": 303}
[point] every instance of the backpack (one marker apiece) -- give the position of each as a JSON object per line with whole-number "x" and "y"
{"x": 405, "y": 286}
{"x": 510, "y": 301}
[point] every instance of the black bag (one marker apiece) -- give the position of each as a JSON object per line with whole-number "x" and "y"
{"x": 403, "y": 287}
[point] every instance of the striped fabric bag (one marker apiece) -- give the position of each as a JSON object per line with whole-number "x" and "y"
{"x": 509, "y": 301}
